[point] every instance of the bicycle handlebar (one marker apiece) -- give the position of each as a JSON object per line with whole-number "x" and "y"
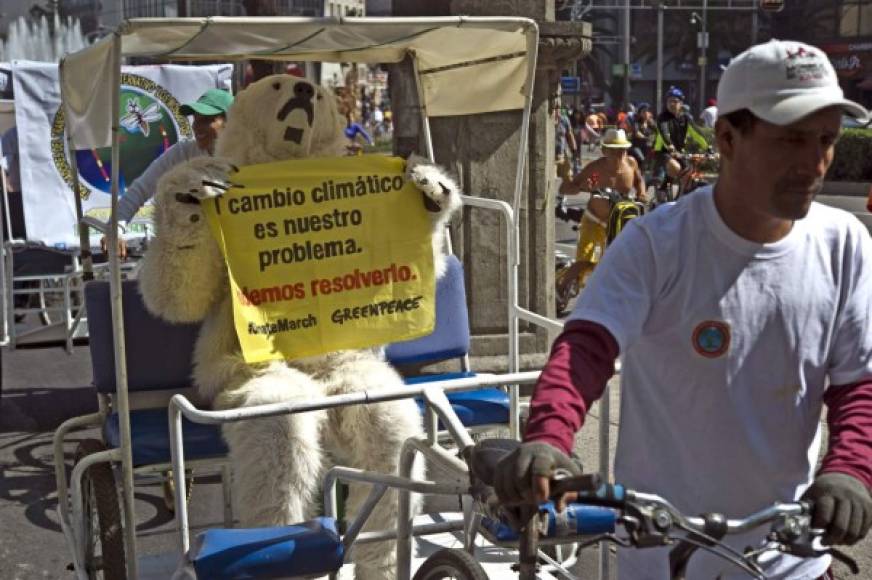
{"x": 651, "y": 520}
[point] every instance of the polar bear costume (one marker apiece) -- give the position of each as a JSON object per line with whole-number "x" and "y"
{"x": 277, "y": 462}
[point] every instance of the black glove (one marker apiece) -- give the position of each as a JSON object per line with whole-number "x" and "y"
{"x": 842, "y": 506}
{"x": 513, "y": 476}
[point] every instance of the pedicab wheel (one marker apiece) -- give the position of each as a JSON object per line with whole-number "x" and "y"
{"x": 451, "y": 563}
{"x": 104, "y": 540}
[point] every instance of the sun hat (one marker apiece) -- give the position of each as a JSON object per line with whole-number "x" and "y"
{"x": 616, "y": 139}
{"x": 782, "y": 81}
{"x": 212, "y": 102}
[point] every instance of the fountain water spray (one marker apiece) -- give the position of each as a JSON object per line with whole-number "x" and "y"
{"x": 26, "y": 40}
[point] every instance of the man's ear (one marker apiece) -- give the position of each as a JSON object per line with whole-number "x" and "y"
{"x": 725, "y": 136}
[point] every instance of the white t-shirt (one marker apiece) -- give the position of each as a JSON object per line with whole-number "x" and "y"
{"x": 145, "y": 186}
{"x": 727, "y": 348}
{"x": 708, "y": 116}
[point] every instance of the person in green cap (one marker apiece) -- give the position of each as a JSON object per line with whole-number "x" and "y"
{"x": 210, "y": 113}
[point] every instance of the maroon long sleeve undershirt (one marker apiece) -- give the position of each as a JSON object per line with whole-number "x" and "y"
{"x": 849, "y": 419}
{"x": 582, "y": 362}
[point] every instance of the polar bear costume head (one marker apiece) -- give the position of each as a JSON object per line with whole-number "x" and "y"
{"x": 276, "y": 118}
{"x": 282, "y": 117}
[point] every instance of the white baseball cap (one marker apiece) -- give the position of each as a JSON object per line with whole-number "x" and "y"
{"x": 781, "y": 82}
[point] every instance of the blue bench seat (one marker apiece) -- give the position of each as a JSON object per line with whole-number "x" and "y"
{"x": 150, "y": 437}
{"x": 474, "y": 408}
{"x": 306, "y": 549}
{"x": 450, "y": 340}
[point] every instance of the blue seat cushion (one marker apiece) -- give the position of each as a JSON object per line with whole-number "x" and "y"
{"x": 159, "y": 354}
{"x": 450, "y": 336}
{"x": 578, "y": 519}
{"x": 150, "y": 436}
{"x": 308, "y": 548}
{"x": 474, "y": 408}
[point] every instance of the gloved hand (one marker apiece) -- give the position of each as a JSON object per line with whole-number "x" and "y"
{"x": 523, "y": 475}
{"x": 842, "y": 506}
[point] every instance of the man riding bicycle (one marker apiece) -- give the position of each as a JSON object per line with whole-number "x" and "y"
{"x": 738, "y": 312}
{"x": 674, "y": 128}
{"x": 615, "y": 170}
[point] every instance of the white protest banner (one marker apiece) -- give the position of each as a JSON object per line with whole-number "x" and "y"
{"x": 150, "y": 123}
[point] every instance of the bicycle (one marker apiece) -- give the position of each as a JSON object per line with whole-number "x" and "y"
{"x": 693, "y": 176}
{"x": 600, "y": 509}
{"x": 689, "y": 175}
{"x": 568, "y": 276}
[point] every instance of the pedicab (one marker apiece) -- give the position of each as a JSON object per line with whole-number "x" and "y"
{"x": 492, "y": 57}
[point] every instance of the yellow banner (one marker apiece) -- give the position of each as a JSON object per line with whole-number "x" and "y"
{"x": 324, "y": 255}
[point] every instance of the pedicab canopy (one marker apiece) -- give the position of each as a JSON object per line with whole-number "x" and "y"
{"x": 466, "y": 65}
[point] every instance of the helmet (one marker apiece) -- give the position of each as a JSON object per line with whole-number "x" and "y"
{"x": 674, "y": 93}
{"x": 642, "y": 107}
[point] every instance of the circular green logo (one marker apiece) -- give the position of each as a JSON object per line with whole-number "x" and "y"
{"x": 150, "y": 123}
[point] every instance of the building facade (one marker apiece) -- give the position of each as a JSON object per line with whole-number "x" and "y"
{"x": 731, "y": 26}
{"x": 843, "y": 29}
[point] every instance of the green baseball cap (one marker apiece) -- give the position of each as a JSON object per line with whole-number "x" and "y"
{"x": 212, "y": 102}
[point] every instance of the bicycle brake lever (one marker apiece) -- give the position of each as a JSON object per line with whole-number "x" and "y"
{"x": 805, "y": 550}
{"x": 845, "y": 559}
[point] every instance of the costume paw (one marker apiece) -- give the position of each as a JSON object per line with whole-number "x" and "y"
{"x": 180, "y": 191}
{"x": 441, "y": 194}
{"x": 205, "y": 178}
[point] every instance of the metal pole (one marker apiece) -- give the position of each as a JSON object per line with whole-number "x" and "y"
{"x": 122, "y": 405}
{"x": 84, "y": 230}
{"x": 703, "y": 62}
{"x": 659, "y": 96}
{"x": 626, "y": 51}
{"x": 605, "y": 412}
{"x": 7, "y": 299}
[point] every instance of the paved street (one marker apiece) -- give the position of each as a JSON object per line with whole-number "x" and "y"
{"x": 41, "y": 387}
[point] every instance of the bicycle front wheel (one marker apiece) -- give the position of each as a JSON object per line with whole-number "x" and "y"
{"x": 451, "y": 564}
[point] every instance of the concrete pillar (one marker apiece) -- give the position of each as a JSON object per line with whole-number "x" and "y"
{"x": 482, "y": 150}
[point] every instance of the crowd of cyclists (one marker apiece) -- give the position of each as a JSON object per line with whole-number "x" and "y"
{"x": 658, "y": 140}
{"x": 645, "y": 160}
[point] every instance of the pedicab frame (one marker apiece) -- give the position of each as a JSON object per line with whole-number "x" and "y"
{"x": 495, "y": 55}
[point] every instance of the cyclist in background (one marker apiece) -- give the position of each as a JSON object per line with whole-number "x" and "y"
{"x": 674, "y": 129}
{"x": 593, "y": 125}
{"x": 615, "y": 170}
{"x": 642, "y": 131}
{"x": 564, "y": 142}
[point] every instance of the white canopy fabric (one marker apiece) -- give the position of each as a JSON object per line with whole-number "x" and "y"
{"x": 467, "y": 65}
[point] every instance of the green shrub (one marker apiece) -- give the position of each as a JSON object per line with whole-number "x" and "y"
{"x": 853, "y": 160}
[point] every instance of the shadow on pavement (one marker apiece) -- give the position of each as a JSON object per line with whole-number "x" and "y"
{"x": 44, "y": 408}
